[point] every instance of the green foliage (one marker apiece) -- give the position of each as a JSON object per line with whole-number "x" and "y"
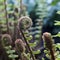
{"x": 57, "y": 23}
{"x": 6, "y": 43}
{"x": 58, "y": 12}
{"x": 36, "y": 52}
{"x": 57, "y": 35}
{"x": 54, "y": 2}
{"x": 10, "y": 53}
{"x": 41, "y": 9}
{"x": 58, "y": 45}
{"x": 32, "y": 45}
{"x": 43, "y": 59}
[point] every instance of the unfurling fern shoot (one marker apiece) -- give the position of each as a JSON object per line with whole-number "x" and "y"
{"x": 49, "y": 44}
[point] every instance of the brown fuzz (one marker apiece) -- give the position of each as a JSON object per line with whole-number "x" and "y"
{"x": 48, "y": 40}
{"x": 24, "y": 22}
{"x": 48, "y": 43}
{"x": 6, "y": 39}
{"x": 19, "y": 45}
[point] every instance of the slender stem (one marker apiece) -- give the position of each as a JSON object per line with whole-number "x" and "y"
{"x": 52, "y": 54}
{"x": 32, "y": 55}
{"x": 0, "y": 30}
{"x": 15, "y": 31}
{"x": 28, "y": 46}
{"x": 6, "y": 16}
{"x": 20, "y": 8}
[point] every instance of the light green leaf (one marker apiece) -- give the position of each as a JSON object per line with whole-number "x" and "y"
{"x": 54, "y": 2}
{"x": 43, "y": 59}
{"x": 58, "y": 45}
{"x": 57, "y": 23}
{"x": 58, "y": 57}
{"x": 29, "y": 38}
{"x": 10, "y": 51}
{"x": 8, "y": 47}
{"x": 37, "y": 36}
{"x": 58, "y": 12}
{"x": 45, "y": 51}
{"x": 57, "y": 35}
{"x": 13, "y": 56}
{"x": 36, "y": 52}
{"x": 33, "y": 44}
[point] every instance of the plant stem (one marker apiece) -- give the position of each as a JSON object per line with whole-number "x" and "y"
{"x": 6, "y": 16}
{"x": 32, "y": 55}
{"x": 20, "y": 8}
{"x": 52, "y": 54}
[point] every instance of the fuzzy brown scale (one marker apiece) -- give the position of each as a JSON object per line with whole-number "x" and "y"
{"x": 6, "y": 40}
{"x": 19, "y": 45}
{"x": 24, "y": 22}
{"x": 48, "y": 40}
{"x": 49, "y": 44}
{"x": 20, "y": 48}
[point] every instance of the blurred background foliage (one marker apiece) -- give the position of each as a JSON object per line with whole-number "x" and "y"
{"x": 45, "y": 15}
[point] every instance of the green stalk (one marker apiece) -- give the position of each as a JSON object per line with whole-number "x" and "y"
{"x": 6, "y": 16}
